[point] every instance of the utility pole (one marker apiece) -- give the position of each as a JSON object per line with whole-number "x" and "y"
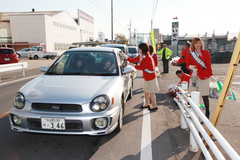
{"x": 134, "y": 37}
{"x": 130, "y": 33}
{"x": 151, "y": 25}
{"x": 112, "y": 20}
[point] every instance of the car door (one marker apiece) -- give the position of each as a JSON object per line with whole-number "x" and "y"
{"x": 40, "y": 52}
{"x": 25, "y": 52}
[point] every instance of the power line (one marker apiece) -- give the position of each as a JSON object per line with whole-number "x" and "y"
{"x": 108, "y": 12}
{"x": 99, "y": 8}
{"x": 155, "y": 10}
{"x": 152, "y": 8}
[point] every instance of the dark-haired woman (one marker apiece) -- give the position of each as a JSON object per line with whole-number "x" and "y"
{"x": 146, "y": 64}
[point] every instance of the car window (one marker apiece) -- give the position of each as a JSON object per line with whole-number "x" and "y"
{"x": 39, "y": 49}
{"x": 132, "y": 50}
{"x": 27, "y": 49}
{"x": 85, "y": 63}
{"x": 34, "y": 48}
{"x": 6, "y": 51}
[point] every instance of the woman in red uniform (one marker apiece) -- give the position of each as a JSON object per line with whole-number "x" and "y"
{"x": 183, "y": 58}
{"x": 200, "y": 59}
{"x": 154, "y": 55}
{"x": 146, "y": 64}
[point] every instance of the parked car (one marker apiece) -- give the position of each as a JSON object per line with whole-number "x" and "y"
{"x": 123, "y": 47}
{"x": 23, "y": 52}
{"x": 39, "y": 52}
{"x": 8, "y": 55}
{"x": 132, "y": 51}
{"x": 78, "y": 94}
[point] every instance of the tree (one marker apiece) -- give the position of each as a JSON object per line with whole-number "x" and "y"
{"x": 121, "y": 39}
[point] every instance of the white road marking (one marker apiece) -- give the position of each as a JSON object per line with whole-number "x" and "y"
{"x": 146, "y": 144}
{"x": 235, "y": 82}
{"x": 1, "y": 84}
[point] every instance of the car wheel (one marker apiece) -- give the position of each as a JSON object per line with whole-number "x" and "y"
{"x": 35, "y": 57}
{"x": 47, "y": 57}
{"x": 19, "y": 55}
{"x": 30, "y": 58}
{"x": 120, "y": 118}
{"x": 52, "y": 57}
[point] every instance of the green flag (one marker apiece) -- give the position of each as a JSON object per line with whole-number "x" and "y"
{"x": 230, "y": 93}
{"x": 153, "y": 41}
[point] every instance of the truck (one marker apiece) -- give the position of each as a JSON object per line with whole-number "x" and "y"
{"x": 38, "y": 52}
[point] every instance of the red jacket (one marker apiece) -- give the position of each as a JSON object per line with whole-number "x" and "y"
{"x": 154, "y": 56}
{"x": 184, "y": 55}
{"x": 201, "y": 72}
{"x": 146, "y": 65}
{"x": 185, "y": 77}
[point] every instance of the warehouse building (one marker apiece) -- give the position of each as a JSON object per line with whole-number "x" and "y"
{"x": 55, "y": 30}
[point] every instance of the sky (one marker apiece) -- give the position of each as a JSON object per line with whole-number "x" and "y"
{"x": 194, "y": 16}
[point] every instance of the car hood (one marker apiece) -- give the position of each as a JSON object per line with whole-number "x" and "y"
{"x": 66, "y": 89}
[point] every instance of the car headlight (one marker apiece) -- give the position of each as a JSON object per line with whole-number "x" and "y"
{"x": 99, "y": 103}
{"x": 19, "y": 100}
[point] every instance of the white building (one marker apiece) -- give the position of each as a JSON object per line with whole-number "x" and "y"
{"x": 101, "y": 37}
{"x": 56, "y": 30}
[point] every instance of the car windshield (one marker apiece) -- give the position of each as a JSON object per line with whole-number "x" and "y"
{"x": 132, "y": 50}
{"x": 85, "y": 63}
{"x": 6, "y": 51}
{"x": 34, "y": 48}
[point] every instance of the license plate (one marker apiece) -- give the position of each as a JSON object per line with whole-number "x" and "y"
{"x": 7, "y": 59}
{"x": 53, "y": 123}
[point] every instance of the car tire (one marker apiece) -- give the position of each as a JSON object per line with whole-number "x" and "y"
{"x": 35, "y": 57}
{"x": 47, "y": 57}
{"x": 19, "y": 55}
{"x": 30, "y": 58}
{"x": 120, "y": 117}
{"x": 52, "y": 57}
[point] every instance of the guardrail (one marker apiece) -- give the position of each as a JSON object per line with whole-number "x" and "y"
{"x": 12, "y": 67}
{"x": 190, "y": 114}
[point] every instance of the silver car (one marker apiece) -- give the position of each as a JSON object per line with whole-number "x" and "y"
{"x": 83, "y": 92}
{"x": 23, "y": 52}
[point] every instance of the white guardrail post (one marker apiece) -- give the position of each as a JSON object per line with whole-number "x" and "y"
{"x": 191, "y": 113}
{"x": 12, "y": 67}
{"x": 184, "y": 124}
{"x": 193, "y": 143}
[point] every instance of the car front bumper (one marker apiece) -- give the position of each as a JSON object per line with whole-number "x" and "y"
{"x": 76, "y": 124}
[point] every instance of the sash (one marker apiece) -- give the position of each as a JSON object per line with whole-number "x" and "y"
{"x": 198, "y": 60}
{"x": 148, "y": 71}
{"x": 152, "y": 54}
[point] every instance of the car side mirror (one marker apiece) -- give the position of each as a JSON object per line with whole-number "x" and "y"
{"x": 129, "y": 69}
{"x": 44, "y": 68}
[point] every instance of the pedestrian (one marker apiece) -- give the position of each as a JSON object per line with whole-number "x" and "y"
{"x": 154, "y": 55}
{"x": 183, "y": 58}
{"x": 200, "y": 61}
{"x": 146, "y": 64}
{"x": 165, "y": 55}
{"x": 155, "y": 59}
{"x": 183, "y": 76}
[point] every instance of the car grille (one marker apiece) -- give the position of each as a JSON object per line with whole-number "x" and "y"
{"x": 71, "y": 125}
{"x": 56, "y": 107}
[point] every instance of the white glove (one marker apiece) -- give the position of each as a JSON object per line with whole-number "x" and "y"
{"x": 123, "y": 55}
{"x": 192, "y": 67}
{"x": 212, "y": 79}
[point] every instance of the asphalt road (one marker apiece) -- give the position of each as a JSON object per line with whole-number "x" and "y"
{"x": 167, "y": 140}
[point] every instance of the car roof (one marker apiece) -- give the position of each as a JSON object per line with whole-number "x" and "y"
{"x": 113, "y": 45}
{"x": 101, "y": 49}
{"x": 6, "y": 48}
{"x": 132, "y": 47}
